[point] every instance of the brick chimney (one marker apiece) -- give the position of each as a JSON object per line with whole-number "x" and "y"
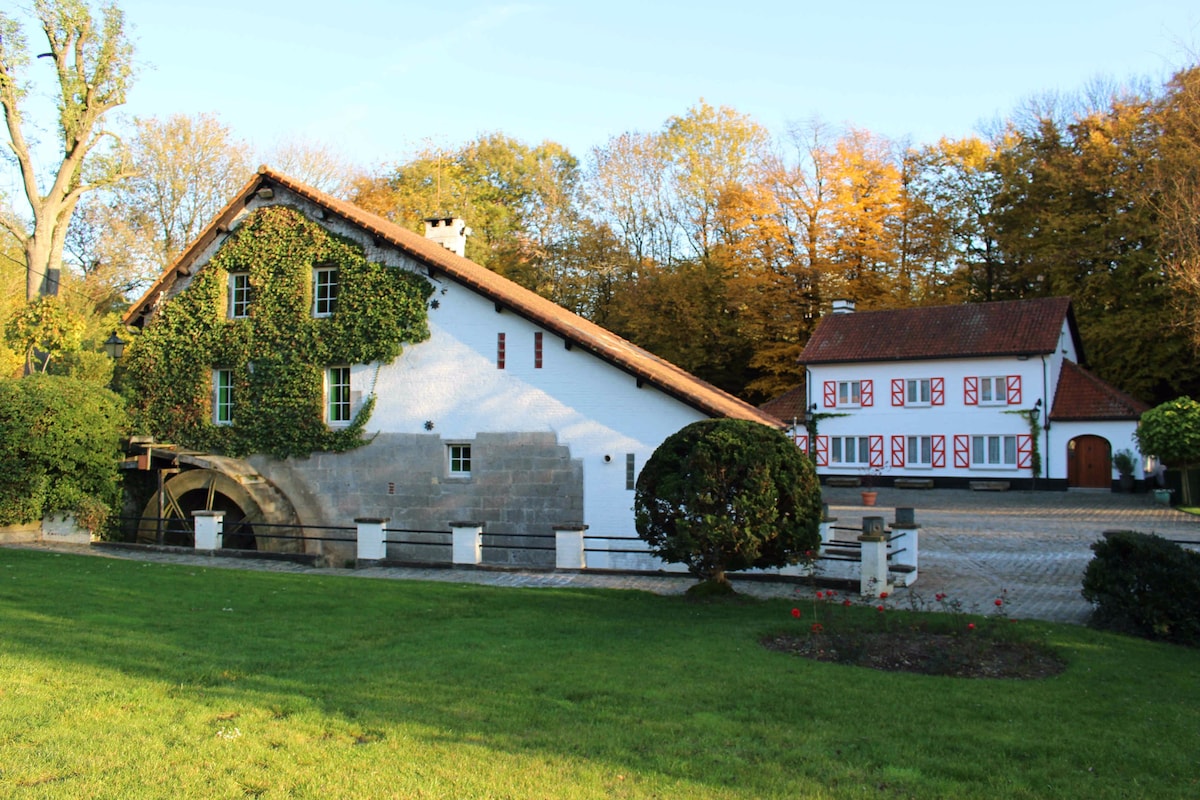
{"x": 450, "y": 232}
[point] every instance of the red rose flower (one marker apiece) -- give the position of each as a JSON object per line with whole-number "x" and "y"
{"x": 883, "y": 595}
{"x": 999, "y": 602}
{"x": 970, "y": 626}
{"x": 796, "y": 613}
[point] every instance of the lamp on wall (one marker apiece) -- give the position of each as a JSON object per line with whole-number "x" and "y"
{"x": 114, "y": 346}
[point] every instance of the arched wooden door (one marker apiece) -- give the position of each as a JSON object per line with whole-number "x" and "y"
{"x": 1089, "y": 463}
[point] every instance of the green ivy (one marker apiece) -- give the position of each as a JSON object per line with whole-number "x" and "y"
{"x": 279, "y": 354}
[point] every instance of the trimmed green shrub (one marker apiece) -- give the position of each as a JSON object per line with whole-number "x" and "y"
{"x": 59, "y": 449}
{"x": 728, "y": 494}
{"x": 1144, "y": 585}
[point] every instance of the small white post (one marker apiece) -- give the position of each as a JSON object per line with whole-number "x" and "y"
{"x": 568, "y": 547}
{"x": 873, "y": 580}
{"x": 826, "y": 525}
{"x": 370, "y": 540}
{"x": 209, "y": 527}
{"x": 466, "y": 543}
{"x": 905, "y": 546}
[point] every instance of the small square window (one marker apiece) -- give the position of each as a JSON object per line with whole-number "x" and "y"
{"x": 849, "y": 393}
{"x": 239, "y": 295}
{"x": 459, "y": 460}
{"x": 325, "y": 291}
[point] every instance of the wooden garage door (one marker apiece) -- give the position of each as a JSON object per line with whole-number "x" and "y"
{"x": 1089, "y": 463}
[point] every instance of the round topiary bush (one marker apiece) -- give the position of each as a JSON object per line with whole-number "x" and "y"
{"x": 727, "y": 494}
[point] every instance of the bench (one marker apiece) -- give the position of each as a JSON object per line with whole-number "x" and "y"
{"x": 842, "y": 480}
{"x": 989, "y": 486}
{"x": 913, "y": 483}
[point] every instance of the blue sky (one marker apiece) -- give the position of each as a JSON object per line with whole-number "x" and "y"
{"x": 378, "y": 80}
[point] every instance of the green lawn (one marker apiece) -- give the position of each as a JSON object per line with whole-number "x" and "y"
{"x": 125, "y": 679}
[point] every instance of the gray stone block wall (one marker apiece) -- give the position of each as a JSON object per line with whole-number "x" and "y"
{"x": 521, "y": 485}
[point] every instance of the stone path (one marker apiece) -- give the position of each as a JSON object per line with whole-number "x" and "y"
{"x": 1030, "y": 547}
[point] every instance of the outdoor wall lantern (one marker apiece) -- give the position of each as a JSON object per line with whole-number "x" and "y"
{"x": 114, "y": 346}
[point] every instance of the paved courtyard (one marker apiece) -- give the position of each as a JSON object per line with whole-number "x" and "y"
{"x": 1033, "y": 546}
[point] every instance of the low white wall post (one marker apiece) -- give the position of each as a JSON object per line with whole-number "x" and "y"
{"x": 466, "y": 543}
{"x": 826, "y": 525}
{"x": 568, "y": 547}
{"x": 370, "y": 540}
{"x": 905, "y": 546}
{"x": 873, "y": 580}
{"x": 209, "y": 527}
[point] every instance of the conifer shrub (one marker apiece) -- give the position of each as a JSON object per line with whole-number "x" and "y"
{"x": 728, "y": 494}
{"x": 1144, "y": 585}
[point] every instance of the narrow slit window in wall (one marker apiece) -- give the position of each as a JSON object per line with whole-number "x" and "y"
{"x": 537, "y": 350}
{"x": 630, "y": 472}
{"x": 499, "y": 351}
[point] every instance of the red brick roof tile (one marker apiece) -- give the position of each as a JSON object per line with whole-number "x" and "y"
{"x": 1006, "y": 328}
{"x": 1080, "y": 395}
{"x": 604, "y": 344}
{"x": 791, "y": 405}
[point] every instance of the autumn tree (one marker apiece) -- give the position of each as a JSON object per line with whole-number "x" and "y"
{"x": 92, "y": 60}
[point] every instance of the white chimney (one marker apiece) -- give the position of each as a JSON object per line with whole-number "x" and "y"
{"x": 450, "y": 232}
{"x": 843, "y": 306}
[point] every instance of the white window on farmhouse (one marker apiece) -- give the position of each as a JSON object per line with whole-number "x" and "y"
{"x": 994, "y": 451}
{"x": 850, "y": 450}
{"x": 337, "y": 392}
{"x": 991, "y": 390}
{"x": 849, "y": 393}
{"x": 325, "y": 291}
{"x": 239, "y": 295}
{"x": 223, "y": 396}
{"x": 460, "y": 460}
{"x": 919, "y": 452}
{"x": 917, "y": 391}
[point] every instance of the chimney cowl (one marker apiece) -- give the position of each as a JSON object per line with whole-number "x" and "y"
{"x": 843, "y": 306}
{"x": 450, "y": 232}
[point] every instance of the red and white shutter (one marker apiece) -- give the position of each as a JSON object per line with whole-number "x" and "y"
{"x": 1024, "y": 451}
{"x": 938, "y": 448}
{"x": 867, "y": 397}
{"x": 962, "y": 451}
{"x": 937, "y": 391}
{"x": 801, "y": 440}
{"x": 1012, "y": 389}
{"x": 897, "y": 451}
{"x": 897, "y": 391}
{"x": 875, "y": 444}
{"x": 971, "y": 390}
{"x": 822, "y": 451}
{"x": 831, "y": 394}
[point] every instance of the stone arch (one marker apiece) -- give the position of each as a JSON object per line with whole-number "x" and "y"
{"x": 208, "y": 482}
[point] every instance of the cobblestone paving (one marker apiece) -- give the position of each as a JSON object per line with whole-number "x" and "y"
{"x": 974, "y": 546}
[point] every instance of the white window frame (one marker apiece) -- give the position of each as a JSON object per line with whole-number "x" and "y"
{"x": 239, "y": 295}
{"x": 918, "y": 392}
{"x": 222, "y": 401}
{"x": 325, "y": 291}
{"x": 997, "y": 387}
{"x": 918, "y": 452}
{"x": 338, "y": 406}
{"x": 994, "y": 451}
{"x": 859, "y": 445}
{"x": 458, "y": 459}
{"x": 849, "y": 393}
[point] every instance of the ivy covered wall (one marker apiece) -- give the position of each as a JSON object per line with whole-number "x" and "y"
{"x": 279, "y": 353}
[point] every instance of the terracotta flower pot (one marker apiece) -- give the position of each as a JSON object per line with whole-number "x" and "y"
{"x": 868, "y": 498}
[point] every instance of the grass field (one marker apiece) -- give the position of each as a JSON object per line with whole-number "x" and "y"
{"x": 124, "y": 679}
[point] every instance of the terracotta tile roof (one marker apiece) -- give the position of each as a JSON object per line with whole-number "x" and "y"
{"x": 641, "y": 364}
{"x": 791, "y": 405}
{"x": 1006, "y": 328}
{"x": 1080, "y": 395}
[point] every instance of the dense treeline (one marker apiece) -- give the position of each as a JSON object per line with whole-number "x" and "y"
{"x": 719, "y": 247}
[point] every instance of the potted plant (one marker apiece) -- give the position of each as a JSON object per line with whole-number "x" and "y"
{"x": 1123, "y": 462}
{"x": 869, "y": 495}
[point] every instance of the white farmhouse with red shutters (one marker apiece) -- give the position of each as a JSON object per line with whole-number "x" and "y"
{"x": 961, "y": 394}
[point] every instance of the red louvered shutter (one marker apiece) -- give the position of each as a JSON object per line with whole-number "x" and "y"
{"x": 801, "y": 440}
{"x": 897, "y": 391}
{"x": 868, "y": 394}
{"x": 938, "y": 446}
{"x": 822, "y": 451}
{"x": 962, "y": 451}
{"x": 875, "y": 443}
{"x": 937, "y": 391}
{"x": 1012, "y": 389}
{"x": 831, "y": 394}
{"x": 1024, "y": 451}
{"x": 897, "y": 451}
{"x": 971, "y": 390}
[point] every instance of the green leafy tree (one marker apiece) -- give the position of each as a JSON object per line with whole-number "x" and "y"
{"x": 726, "y": 494}
{"x": 93, "y": 65}
{"x": 43, "y": 330}
{"x": 1171, "y": 432}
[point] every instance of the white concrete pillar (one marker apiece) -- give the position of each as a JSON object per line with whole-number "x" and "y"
{"x": 209, "y": 528}
{"x": 568, "y": 547}
{"x": 466, "y": 543}
{"x": 873, "y": 580}
{"x": 904, "y": 543}
{"x": 370, "y": 539}
{"x": 826, "y": 525}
